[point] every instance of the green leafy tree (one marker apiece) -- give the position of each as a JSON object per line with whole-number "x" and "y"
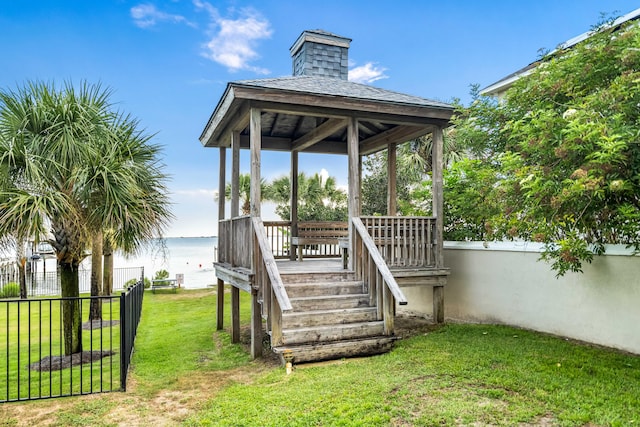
{"x": 566, "y": 141}
{"x": 413, "y": 175}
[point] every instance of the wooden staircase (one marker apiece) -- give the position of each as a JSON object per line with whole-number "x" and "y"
{"x": 332, "y": 318}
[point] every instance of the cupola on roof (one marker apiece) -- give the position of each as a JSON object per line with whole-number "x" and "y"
{"x": 321, "y": 54}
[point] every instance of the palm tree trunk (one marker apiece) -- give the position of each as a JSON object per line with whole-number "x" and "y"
{"x": 107, "y": 275}
{"x": 95, "y": 312}
{"x": 22, "y": 274}
{"x": 71, "y": 308}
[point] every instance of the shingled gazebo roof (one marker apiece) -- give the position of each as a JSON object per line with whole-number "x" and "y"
{"x": 308, "y": 112}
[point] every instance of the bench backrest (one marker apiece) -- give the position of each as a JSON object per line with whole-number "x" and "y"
{"x": 321, "y": 229}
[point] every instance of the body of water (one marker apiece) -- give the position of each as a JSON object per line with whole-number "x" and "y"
{"x": 191, "y": 256}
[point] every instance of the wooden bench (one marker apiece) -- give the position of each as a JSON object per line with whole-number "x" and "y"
{"x": 164, "y": 284}
{"x": 320, "y": 233}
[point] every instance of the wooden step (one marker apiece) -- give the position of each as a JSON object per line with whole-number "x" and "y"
{"x": 317, "y": 334}
{"x": 338, "y": 349}
{"x": 328, "y": 317}
{"x": 317, "y": 277}
{"x": 298, "y": 290}
{"x": 329, "y": 302}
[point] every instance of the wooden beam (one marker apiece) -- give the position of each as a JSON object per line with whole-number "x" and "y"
{"x": 354, "y": 180}
{"x": 438, "y": 204}
{"x": 235, "y": 174}
{"x": 256, "y": 145}
{"x": 327, "y": 112}
{"x": 398, "y": 134}
{"x": 300, "y": 99}
{"x": 438, "y": 192}
{"x": 438, "y": 304}
{"x": 221, "y": 215}
{"x": 326, "y": 129}
{"x": 392, "y": 209}
{"x": 220, "y": 305}
{"x": 235, "y": 314}
{"x": 284, "y": 144}
{"x": 293, "y": 180}
{"x": 256, "y": 325}
{"x": 222, "y": 177}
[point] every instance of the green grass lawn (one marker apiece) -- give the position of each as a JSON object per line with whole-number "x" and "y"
{"x": 185, "y": 372}
{"x": 457, "y": 375}
{"x": 31, "y": 330}
{"x": 177, "y": 337}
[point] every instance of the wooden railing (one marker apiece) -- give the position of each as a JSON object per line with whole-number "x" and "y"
{"x": 279, "y": 237}
{"x": 404, "y": 241}
{"x": 234, "y": 241}
{"x": 267, "y": 281}
{"x": 372, "y": 269}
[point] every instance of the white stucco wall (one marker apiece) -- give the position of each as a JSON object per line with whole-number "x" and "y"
{"x": 505, "y": 283}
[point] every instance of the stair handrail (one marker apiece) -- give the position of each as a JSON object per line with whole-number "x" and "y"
{"x": 379, "y": 262}
{"x": 277, "y": 287}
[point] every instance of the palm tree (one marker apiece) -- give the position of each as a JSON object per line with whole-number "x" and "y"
{"x": 67, "y": 186}
{"x": 319, "y": 198}
{"x": 415, "y": 159}
{"x": 244, "y": 190}
{"x": 127, "y": 202}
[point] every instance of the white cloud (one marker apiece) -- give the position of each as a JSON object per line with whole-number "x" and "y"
{"x": 233, "y": 41}
{"x": 367, "y": 73}
{"x": 147, "y": 15}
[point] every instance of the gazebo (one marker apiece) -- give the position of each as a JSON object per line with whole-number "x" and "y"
{"x": 324, "y": 307}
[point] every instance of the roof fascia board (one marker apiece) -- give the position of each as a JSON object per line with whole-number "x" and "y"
{"x": 345, "y": 106}
{"x": 219, "y": 115}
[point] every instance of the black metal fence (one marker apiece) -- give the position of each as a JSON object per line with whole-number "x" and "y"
{"x": 47, "y": 283}
{"x": 36, "y": 366}
{"x": 130, "y": 313}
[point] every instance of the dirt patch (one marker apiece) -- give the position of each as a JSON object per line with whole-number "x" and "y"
{"x": 407, "y": 326}
{"x": 56, "y": 363}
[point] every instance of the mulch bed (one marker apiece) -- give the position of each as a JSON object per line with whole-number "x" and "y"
{"x": 99, "y": 324}
{"x": 55, "y": 363}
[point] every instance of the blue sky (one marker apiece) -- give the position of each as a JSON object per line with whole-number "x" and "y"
{"x": 168, "y": 61}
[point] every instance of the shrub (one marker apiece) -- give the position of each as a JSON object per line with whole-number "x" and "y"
{"x": 161, "y": 274}
{"x": 10, "y": 290}
{"x": 131, "y": 282}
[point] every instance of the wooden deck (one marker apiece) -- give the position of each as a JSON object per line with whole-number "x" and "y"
{"x": 315, "y": 309}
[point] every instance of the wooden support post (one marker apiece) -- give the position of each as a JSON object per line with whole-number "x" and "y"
{"x": 221, "y": 215}
{"x": 354, "y": 179}
{"x": 388, "y": 310}
{"x": 392, "y": 209}
{"x": 294, "y": 203}
{"x": 235, "y": 314}
{"x": 256, "y": 325}
{"x": 276, "y": 321}
{"x": 438, "y": 204}
{"x": 255, "y": 142}
{"x": 255, "y": 139}
{"x": 438, "y": 304}
{"x": 220, "y": 305}
{"x": 235, "y": 174}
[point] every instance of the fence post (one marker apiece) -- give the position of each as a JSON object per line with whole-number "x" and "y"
{"x": 123, "y": 342}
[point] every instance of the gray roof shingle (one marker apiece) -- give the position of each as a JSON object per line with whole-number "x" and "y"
{"x": 337, "y": 87}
